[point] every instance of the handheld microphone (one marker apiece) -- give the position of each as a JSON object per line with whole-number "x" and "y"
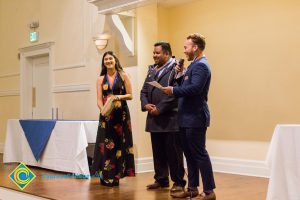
{"x": 174, "y": 72}
{"x": 180, "y": 63}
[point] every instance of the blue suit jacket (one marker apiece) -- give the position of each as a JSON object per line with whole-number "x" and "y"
{"x": 192, "y": 91}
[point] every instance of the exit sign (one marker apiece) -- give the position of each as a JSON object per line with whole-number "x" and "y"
{"x": 33, "y": 36}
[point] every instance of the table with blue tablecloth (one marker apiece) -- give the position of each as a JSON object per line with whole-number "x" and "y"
{"x": 50, "y": 144}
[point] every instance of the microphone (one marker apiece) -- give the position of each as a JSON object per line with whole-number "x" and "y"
{"x": 180, "y": 63}
{"x": 174, "y": 72}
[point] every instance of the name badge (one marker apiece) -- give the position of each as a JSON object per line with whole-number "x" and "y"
{"x": 186, "y": 78}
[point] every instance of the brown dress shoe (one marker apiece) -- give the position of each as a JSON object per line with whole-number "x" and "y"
{"x": 203, "y": 196}
{"x": 185, "y": 193}
{"x": 157, "y": 185}
{"x": 176, "y": 188}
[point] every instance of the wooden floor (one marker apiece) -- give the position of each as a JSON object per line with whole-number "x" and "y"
{"x": 229, "y": 187}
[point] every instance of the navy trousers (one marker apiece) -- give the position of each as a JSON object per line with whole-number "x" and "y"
{"x": 197, "y": 158}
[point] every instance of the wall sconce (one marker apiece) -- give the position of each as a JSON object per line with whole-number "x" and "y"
{"x": 101, "y": 41}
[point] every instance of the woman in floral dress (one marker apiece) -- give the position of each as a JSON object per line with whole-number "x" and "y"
{"x": 113, "y": 155}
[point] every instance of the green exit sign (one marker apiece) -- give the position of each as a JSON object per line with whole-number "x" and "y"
{"x": 33, "y": 36}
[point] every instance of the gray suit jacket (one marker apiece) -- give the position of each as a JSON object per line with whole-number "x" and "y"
{"x": 166, "y": 104}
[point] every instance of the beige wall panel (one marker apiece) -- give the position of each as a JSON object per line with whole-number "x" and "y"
{"x": 9, "y": 83}
{"x": 163, "y": 24}
{"x": 252, "y": 48}
{"x": 7, "y": 111}
{"x": 77, "y": 105}
{"x": 238, "y": 149}
{"x": 72, "y": 76}
{"x": 62, "y": 22}
{"x": 15, "y": 16}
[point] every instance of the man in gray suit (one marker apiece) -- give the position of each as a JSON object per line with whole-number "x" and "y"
{"x": 162, "y": 121}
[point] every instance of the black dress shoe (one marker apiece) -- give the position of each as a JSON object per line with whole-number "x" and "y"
{"x": 157, "y": 185}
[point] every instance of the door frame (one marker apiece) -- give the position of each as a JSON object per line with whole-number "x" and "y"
{"x": 26, "y": 64}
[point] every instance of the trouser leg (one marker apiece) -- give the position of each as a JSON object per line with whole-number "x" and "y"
{"x": 193, "y": 170}
{"x": 159, "y": 158}
{"x": 196, "y": 138}
{"x": 175, "y": 157}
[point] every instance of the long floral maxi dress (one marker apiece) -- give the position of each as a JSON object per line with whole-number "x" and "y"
{"x": 113, "y": 155}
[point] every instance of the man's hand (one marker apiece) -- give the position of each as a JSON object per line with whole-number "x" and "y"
{"x": 167, "y": 90}
{"x": 154, "y": 112}
{"x": 178, "y": 68}
{"x": 149, "y": 107}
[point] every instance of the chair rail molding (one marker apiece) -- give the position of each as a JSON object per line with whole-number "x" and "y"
{"x": 71, "y": 88}
{"x": 9, "y": 75}
{"x": 74, "y": 66}
{"x": 6, "y": 93}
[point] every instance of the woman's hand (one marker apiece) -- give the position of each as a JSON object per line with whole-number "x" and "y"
{"x": 116, "y": 98}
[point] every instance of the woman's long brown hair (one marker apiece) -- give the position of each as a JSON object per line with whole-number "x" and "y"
{"x": 117, "y": 66}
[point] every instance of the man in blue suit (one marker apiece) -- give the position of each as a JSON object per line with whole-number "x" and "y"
{"x": 194, "y": 117}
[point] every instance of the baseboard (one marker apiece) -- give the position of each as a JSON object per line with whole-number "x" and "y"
{"x": 220, "y": 164}
{"x": 1, "y": 147}
{"x": 143, "y": 165}
{"x": 240, "y": 166}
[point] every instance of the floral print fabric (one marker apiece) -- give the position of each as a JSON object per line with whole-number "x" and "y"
{"x": 115, "y": 157}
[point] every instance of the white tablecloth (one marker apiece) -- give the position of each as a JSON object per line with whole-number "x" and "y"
{"x": 283, "y": 160}
{"x": 65, "y": 150}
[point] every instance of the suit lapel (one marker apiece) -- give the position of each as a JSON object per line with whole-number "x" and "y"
{"x": 187, "y": 72}
{"x": 166, "y": 71}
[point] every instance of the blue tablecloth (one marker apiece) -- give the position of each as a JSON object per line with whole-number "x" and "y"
{"x": 37, "y": 133}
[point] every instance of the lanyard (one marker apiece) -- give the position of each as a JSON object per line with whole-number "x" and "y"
{"x": 166, "y": 66}
{"x": 199, "y": 57}
{"x": 114, "y": 84}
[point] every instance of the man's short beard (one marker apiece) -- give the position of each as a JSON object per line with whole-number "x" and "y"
{"x": 189, "y": 57}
